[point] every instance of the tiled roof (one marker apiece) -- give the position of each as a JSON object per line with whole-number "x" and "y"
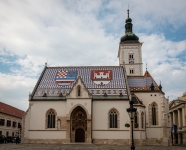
{"x": 10, "y": 110}
{"x": 141, "y": 83}
{"x": 136, "y": 100}
{"x": 48, "y": 80}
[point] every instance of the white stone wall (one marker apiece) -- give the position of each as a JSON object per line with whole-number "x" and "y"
{"x": 100, "y": 119}
{"x": 26, "y": 124}
{"x": 155, "y": 131}
{"x": 110, "y": 134}
{"x": 38, "y": 113}
{"x": 48, "y": 134}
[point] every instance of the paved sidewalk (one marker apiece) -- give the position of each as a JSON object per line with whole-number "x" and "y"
{"x": 13, "y": 146}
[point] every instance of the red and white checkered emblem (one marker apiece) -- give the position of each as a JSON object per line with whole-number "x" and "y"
{"x": 62, "y": 74}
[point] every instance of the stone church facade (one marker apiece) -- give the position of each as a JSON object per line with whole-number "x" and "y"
{"x": 88, "y": 103}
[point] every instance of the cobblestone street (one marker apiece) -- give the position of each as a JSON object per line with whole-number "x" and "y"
{"x": 13, "y": 146}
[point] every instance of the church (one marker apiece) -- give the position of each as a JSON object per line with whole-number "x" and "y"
{"x": 71, "y": 104}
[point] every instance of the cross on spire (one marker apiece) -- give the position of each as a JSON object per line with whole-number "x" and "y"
{"x": 128, "y": 12}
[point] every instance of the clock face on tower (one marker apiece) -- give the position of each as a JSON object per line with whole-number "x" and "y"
{"x": 131, "y": 60}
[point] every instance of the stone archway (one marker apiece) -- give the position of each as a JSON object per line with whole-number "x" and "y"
{"x": 78, "y": 121}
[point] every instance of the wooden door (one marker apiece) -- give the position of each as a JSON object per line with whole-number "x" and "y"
{"x": 80, "y": 135}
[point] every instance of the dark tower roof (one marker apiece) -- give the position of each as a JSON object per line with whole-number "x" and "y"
{"x": 129, "y": 35}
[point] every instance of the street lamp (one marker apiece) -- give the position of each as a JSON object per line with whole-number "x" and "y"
{"x": 131, "y": 111}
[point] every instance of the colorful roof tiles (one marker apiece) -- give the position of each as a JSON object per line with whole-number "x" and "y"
{"x": 94, "y": 78}
{"x": 142, "y": 83}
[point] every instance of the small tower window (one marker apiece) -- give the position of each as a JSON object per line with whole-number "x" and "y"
{"x": 78, "y": 91}
{"x": 131, "y": 71}
{"x": 131, "y": 56}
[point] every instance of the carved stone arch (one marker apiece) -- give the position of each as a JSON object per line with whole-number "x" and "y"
{"x": 131, "y": 52}
{"x": 71, "y": 110}
{"x": 78, "y": 123}
{"x": 46, "y": 117}
{"x": 153, "y": 116}
{"x": 118, "y": 117}
{"x": 131, "y": 67}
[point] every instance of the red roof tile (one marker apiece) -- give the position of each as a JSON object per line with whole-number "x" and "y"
{"x": 10, "y": 110}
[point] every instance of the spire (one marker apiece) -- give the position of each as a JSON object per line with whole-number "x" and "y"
{"x": 160, "y": 87}
{"x": 128, "y": 12}
{"x": 152, "y": 86}
{"x": 129, "y": 35}
{"x": 128, "y": 25}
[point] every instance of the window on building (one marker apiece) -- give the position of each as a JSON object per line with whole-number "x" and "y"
{"x": 2, "y": 122}
{"x": 131, "y": 56}
{"x": 13, "y": 134}
{"x": 7, "y": 134}
{"x": 131, "y": 71}
{"x": 79, "y": 90}
{"x": 19, "y": 125}
{"x": 153, "y": 114}
{"x": 0, "y": 132}
{"x": 113, "y": 119}
{"x": 136, "y": 118}
{"x": 8, "y": 123}
{"x": 142, "y": 120}
{"x": 51, "y": 119}
{"x": 14, "y": 124}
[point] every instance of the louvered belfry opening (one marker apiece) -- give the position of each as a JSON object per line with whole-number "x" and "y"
{"x": 78, "y": 125}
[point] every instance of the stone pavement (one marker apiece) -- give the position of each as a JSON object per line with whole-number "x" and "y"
{"x": 13, "y": 146}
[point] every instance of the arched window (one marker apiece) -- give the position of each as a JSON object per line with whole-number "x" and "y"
{"x": 78, "y": 91}
{"x": 131, "y": 70}
{"x": 113, "y": 119}
{"x": 142, "y": 120}
{"x": 153, "y": 114}
{"x": 51, "y": 119}
{"x": 136, "y": 120}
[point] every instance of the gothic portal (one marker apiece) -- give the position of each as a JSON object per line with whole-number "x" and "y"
{"x": 78, "y": 125}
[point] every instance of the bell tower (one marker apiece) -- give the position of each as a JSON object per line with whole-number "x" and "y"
{"x": 129, "y": 52}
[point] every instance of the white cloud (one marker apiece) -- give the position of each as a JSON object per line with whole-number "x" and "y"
{"x": 15, "y": 90}
{"x": 164, "y": 65}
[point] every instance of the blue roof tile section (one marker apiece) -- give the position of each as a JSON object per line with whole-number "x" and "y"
{"x": 140, "y": 81}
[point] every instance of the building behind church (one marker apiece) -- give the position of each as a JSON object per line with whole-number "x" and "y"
{"x": 88, "y": 103}
{"x": 177, "y": 113}
{"x": 10, "y": 120}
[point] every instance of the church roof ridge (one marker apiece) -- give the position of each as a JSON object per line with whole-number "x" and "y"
{"x": 82, "y": 66}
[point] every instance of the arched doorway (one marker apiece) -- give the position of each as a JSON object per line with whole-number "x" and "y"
{"x": 78, "y": 125}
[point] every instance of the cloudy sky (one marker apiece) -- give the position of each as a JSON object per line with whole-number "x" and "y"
{"x": 86, "y": 33}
